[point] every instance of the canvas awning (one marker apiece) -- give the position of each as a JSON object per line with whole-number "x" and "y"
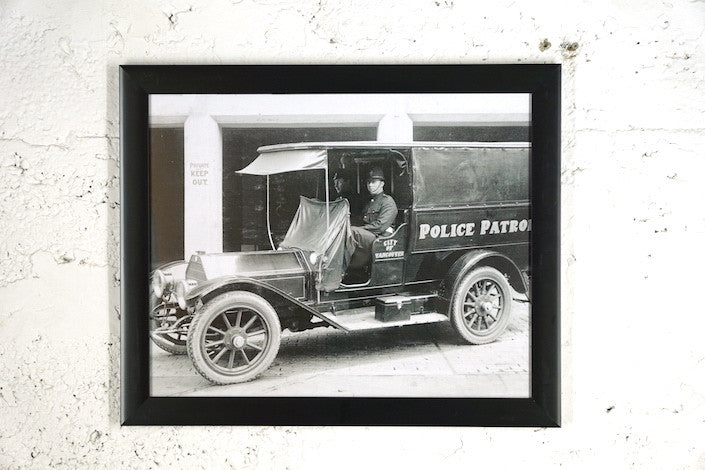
{"x": 272, "y": 163}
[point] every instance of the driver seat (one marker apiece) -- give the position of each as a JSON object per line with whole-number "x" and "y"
{"x": 359, "y": 270}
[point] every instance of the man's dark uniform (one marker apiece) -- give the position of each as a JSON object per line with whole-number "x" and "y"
{"x": 379, "y": 213}
{"x": 378, "y": 216}
{"x": 347, "y": 191}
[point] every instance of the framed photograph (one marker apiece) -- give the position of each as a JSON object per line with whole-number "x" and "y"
{"x": 340, "y": 245}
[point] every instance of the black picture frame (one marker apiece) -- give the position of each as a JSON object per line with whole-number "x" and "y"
{"x": 543, "y": 81}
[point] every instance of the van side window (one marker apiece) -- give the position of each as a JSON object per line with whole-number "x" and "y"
{"x": 470, "y": 175}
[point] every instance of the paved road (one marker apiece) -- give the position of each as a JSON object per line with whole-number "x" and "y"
{"x": 420, "y": 360}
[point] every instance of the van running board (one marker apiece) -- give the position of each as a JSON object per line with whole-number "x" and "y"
{"x": 363, "y": 318}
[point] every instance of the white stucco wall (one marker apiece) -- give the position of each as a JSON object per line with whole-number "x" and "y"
{"x": 633, "y": 223}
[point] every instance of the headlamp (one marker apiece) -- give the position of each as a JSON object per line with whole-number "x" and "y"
{"x": 161, "y": 283}
{"x": 181, "y": 289}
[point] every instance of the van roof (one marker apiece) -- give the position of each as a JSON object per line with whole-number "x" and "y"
{"x": 385, "y": 145}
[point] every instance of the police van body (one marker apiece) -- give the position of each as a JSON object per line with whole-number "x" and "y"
{"x": 457, "y": 252}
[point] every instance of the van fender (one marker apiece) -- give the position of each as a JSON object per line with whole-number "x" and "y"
{"x": 271, "y": 294}
{"x": 474, "y": 259}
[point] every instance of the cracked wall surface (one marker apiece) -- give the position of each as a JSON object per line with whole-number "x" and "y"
{"x": 633, "y": 223}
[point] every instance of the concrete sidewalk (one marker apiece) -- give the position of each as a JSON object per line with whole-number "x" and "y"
{"x": 420, "y": 360}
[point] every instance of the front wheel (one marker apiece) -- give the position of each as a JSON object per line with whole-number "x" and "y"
{"x": 481, "y": 305}
{"x": 234, "y": 338}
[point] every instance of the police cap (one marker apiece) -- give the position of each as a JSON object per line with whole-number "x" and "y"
{"x": 375, "y": 174}
{"x": 341, "y": 174}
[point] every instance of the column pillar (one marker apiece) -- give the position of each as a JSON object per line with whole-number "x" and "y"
{"x": 203, "y": 192}
{"x": 395, "y": 127}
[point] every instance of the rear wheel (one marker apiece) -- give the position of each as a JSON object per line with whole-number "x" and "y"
{"x": 481, "y": 305}
{"x": 234, "y": 338}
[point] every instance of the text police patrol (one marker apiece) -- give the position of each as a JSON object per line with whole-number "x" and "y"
{"x": 468, "y": 229}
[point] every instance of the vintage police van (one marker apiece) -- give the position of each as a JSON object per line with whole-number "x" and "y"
{"x": 458, "y": 249}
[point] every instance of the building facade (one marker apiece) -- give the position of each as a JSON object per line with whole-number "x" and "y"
{"x": 198, "y": 142}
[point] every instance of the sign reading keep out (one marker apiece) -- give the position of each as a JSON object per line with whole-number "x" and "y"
{"x": 198, "y": 173}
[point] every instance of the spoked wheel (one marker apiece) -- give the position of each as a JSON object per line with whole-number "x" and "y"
{"x": 168, "y": 328}
{"x": 481, "y": 305}
{"x": 234, "y": 338}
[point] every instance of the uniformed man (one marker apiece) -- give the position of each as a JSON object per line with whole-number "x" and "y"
{"x": 381, "y": 211}
{"x": 378, "y": 216}
{"x": 344, "y": 187}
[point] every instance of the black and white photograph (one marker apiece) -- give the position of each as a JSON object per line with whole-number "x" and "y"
{"x": 340, "y": 245}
